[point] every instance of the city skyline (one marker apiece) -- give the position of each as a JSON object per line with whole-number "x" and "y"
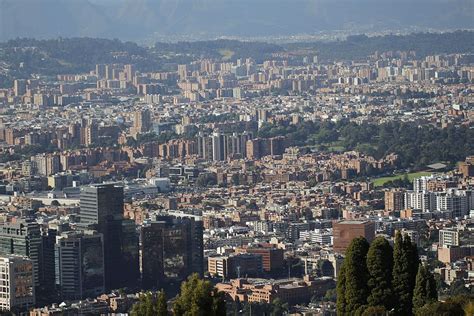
{"x": 221, "y": 157}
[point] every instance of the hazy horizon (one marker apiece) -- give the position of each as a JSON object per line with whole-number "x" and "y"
{"x": 147, "y": 20}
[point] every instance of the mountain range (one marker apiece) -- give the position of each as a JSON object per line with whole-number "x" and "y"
{"x": 140, "y": 20}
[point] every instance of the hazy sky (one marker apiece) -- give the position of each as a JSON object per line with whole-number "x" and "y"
{"x": 145, "y": 19}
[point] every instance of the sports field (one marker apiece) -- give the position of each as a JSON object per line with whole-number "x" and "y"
{"x": 378, "y": 182}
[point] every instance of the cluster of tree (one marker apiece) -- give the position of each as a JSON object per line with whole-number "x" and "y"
{"x": 377, "y": 279}
{"x": 150, "y": 304}
{"x": 26, "y": 151}
{"x": 213, "y": 49}
{"x": 276, "y": 308}
{"x": 461, "y": 305}
{"x": 151, "y": 137}
{"x": 416, "y": 146}
{"x": 206, "y": 179}
{"x": 7, "y": 156}
{"x": 197, "y": 297}
{"x": 302, "y": 134}
{"x": 69, "y": 55}
{"x": 213, "y": 118}
{"x": 360, "y": 46}
{"x": 399, "y": 183}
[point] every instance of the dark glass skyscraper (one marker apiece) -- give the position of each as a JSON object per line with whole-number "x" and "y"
{"x": 79, "y": 265}
{"x": 101, "y": 208}
{"x": 171, "y": 249}
{"x": 101, "y": 203}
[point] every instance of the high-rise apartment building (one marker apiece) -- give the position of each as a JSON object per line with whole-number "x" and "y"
{"x": 100, "y": 71}
{"x": 19, "y": 87}
{"x": 448, "y": 237}
{"x": 142, "y": 121}
{"x": 394, "y": 200}
{"x": 89, "y": 133}
{"x": 130, "y": 72}
{"x": 17, "y": 292}
{"x": 23, "y": 237}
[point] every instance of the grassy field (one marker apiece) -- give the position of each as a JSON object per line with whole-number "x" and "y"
{"x": 380, "y": 181}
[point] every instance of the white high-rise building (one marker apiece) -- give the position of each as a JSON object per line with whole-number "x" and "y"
{"x": 423, "y": 201}
{"x": 17, "y": 291}
{"x": 448, "y": 237}
{"x": 456, "y": 201}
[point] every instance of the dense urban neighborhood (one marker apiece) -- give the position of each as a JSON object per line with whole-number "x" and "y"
{"x": 237, "y": 177}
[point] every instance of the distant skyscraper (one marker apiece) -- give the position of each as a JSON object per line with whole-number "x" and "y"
{"x": 171, "y": 250}
{"x": 101, "y": 207}
{"x": 217, "y": 147}
{"x": 79, "y": 265}
{"x": 89, "y": 133}
{"x": 130, "y": 72}
{"x": 19, "y": 87}
{"x": 101, "y": 203}
{"x": 100, "y": 71}
{"x": 182, "y": 71}
{"x": 17, "y": 278}
{"x": 46, "y": 291}
{"x": 142, "y": 121}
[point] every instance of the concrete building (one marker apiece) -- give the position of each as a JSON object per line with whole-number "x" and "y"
{"x": 235, "y": 266}
{"x": 448, "y": 237}
{"x": 272, "y": 257}
{"x": 394, "y": 200}
{"x": 17, "y": 292}
{"x": 345, "y": 231}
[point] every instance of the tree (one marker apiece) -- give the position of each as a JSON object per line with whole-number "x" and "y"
{"x": 441, "y": 309}
{"x": 161, "y": 306}
{"x": 405, "y": 261}
{"x": 198, "y": 297}
{"x": 356, "y": 274}
{"x": 425, "y": 288}
{"x": 458, "y": 288}
{"x": 206, "y": 179}
{"x": 144, "y": 306}
{"x": 278, "y": 307}
{"x": 375, "y": 311}
{"x": 235, "y": 180}
{"x": 411, "y": 252}
{"x": 341, "y": 290}
{"x": 330, "y": 296}
{"x": 379, "y": 266}
{"x": 218, "y": 303}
